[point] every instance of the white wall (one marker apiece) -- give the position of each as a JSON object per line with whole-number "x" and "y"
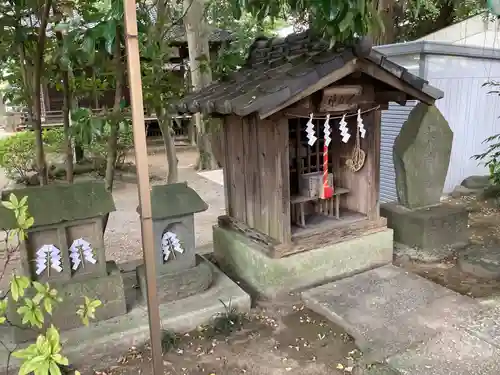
{"x": 477, "y": 31}
{"x": 473, "y": 115}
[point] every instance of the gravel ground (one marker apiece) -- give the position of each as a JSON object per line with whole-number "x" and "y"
{"x": 123, "y": 235}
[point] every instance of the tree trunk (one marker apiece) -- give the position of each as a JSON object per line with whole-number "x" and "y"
{"x": 115, "y": 117}
{"x": 67, "y": 131}
{"x": 68, "y": 149}
{"x": 168, "y": 140}
{"x": 201, "y": 74}
{"x": 37, "y": 125}
{"x": 386, "y": 9}
{"x": 115, "y": 121}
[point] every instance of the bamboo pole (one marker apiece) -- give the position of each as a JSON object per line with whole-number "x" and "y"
{"x": 141, "y": 160}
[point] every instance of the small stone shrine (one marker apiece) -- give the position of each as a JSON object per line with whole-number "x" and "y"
{"x": 65, "y": 247}
{"x": 421, "y": 159}
{"x": 180, "y": 274}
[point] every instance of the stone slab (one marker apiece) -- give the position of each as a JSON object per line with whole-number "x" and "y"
{"x": 476, "y": 182}
{"x": 367, "y": 305}
{"x": 451, "y": 352}
{"x": 486, "y": 326}
{"x": 177, "y": 285}
{"x": 270, "y": 277}
{"x": 481, "y": 262}
{"x": 439, "y": 226}
{"x": 100, "y": 344}
{"x": 108, "y": 289}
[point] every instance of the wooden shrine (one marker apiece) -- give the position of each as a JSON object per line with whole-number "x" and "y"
{"x": 274, "y": 180}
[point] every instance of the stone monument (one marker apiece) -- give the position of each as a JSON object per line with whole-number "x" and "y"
{"x": 65, "y": 247}
{"x": 421, "y": 158}
{"x": 180, "y": 273}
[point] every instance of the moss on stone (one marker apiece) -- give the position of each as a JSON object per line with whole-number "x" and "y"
{"x": 175, "y": 200}
{"x": 53, "y": 204}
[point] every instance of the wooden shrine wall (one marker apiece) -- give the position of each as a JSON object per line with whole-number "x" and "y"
{"x": 256, "y": 174}
{"x": 364, "y": 185}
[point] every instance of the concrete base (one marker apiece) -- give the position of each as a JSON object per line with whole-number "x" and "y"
{"x": 433, "y": 227}
{"x": 270, "y": 277}
{"x": 177, "y": 285}
{"x": 108, "y": 289}
{"x": 100, "y": 344}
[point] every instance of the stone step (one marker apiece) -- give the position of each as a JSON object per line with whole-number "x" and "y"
{"x": 391, "y": 313}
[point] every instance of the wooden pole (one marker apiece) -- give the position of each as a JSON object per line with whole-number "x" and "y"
{"x": 141, "y": 160}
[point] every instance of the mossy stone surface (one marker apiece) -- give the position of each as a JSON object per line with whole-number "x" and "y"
{"x": 54, "y": 204}
{"x": 175, "y": 200}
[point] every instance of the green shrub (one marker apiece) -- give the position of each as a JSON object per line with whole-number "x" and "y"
{"x": 18, "y": 152}
{"x": 98, "y": 149}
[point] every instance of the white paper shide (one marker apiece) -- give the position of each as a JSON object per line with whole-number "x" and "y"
{"x": 344, "y": 131}
{"x": 361, "y": 126}
{"x": 170, "y": 244}
{"x": 81, "y": 252}
{"x": 311, "y": 137}
{"x": 48, "y": 257}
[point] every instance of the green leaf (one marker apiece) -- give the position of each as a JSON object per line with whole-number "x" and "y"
{"x": 40, "y": 287}
{"x": 23, "y": 201}
{"x": 32, "y": 365}
{"x": 54, "y": 369}
{"x": 346, "y": 22}
{"x": 60, "y": 359}
{"x": 43, "y": 368}
{"x": 29, "y": 352}
{"x": 8, "y": 205}
{"x": 13, "y": 200}
{"x": 53, "y": 338}
{"x": 18, "y": 285}
{"x": 95, "y": 304}
{"x": 47, "y": 304}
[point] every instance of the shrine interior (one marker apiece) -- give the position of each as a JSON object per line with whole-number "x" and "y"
{"x": 306, "y": 176}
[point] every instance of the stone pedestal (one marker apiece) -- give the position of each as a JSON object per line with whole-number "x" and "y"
{"x": 270, "y": 277}
{"x": 433, "y": 227}
{"x": 180, "y": 284}
{"x": 108, "y": 289}
{"x": 179, "y": 273}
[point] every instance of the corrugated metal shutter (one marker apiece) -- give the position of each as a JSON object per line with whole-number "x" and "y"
{"x": 392, "y": 121}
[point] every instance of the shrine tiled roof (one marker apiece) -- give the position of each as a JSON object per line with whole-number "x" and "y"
{"x": 278, "y": 69}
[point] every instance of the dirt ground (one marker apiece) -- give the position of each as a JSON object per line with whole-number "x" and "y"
{"x": 484, "y": 229}
{"x": 282, "y": 338}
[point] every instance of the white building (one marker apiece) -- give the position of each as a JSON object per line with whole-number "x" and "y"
{"x": 458, "y": 60}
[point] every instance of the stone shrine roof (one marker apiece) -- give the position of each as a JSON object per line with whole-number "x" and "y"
{"x": 175, "y": 200}
{"x": 57, "y": 203}
{"x": 277, "y": 70}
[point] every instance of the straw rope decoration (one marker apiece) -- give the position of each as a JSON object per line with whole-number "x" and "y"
{"x": 358, "y": 157}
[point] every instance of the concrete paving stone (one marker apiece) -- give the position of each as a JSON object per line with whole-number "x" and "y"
{"x": 369, "y": 304}
{"x": 452, "y": 352}
{"x": 449, "y": 312}
{"x": 486, "y": 326}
